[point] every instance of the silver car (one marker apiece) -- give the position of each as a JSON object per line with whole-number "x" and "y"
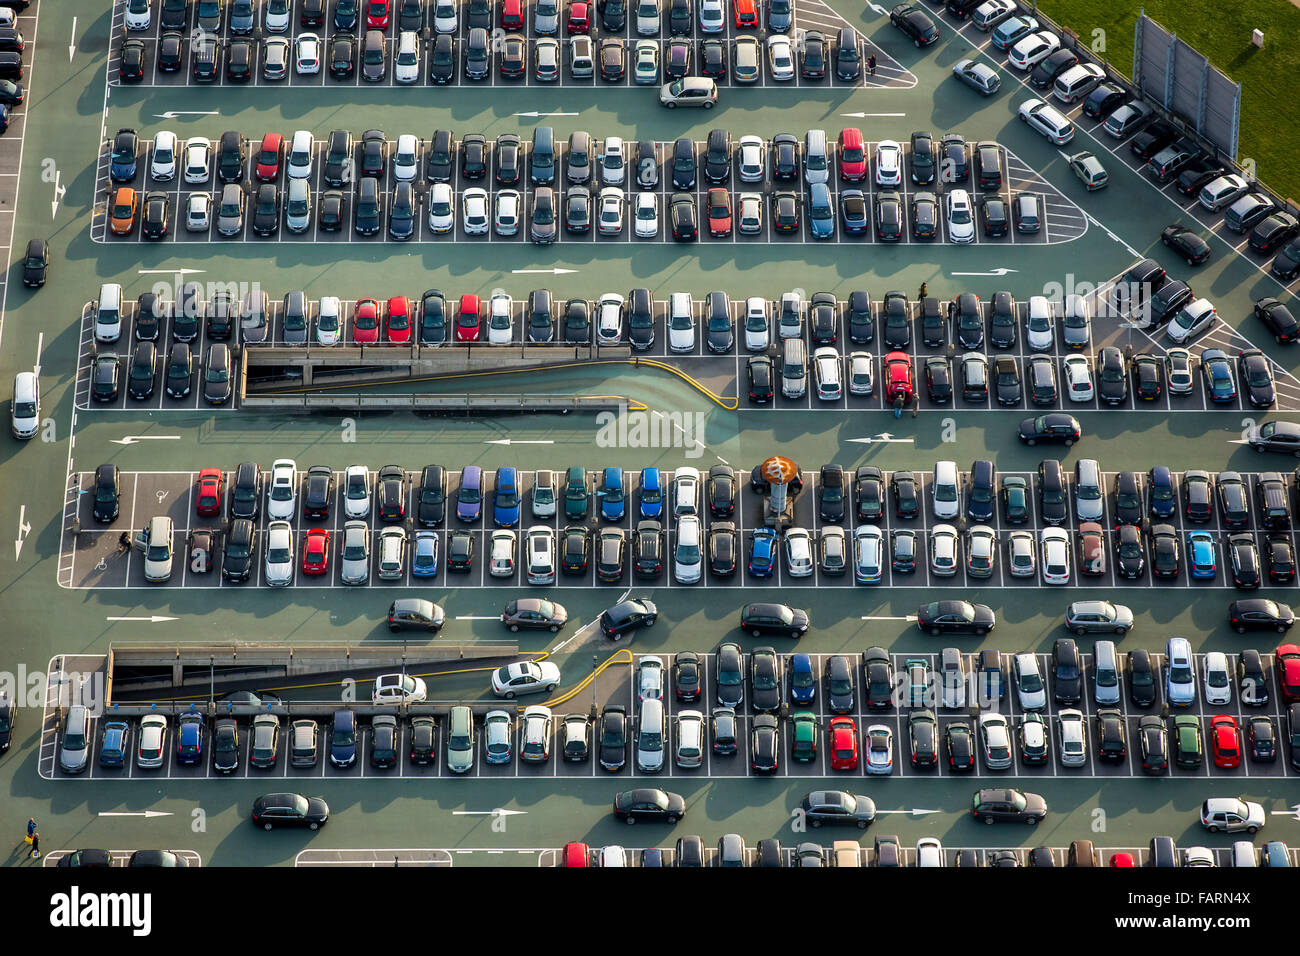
{"x": 1020, "y": 554}
{"x": 152, "y": 750}
{"x": 297, "y": 206}
{"x": 498, "y": 736}
{"x": 862, "y": 374}
{"x": 198, "y": 212}
{"x": 279, "y": 554}
{"x": 690, "y": 738}
{"x": 535, "y": 743}
{"x": 230, "y": 212}
{"x": 981, "y": 551}
{"x": 995, "y": 734}
{"x": 392, "y": 553}
{"x": 610, "y": 221}
{"x": 354, "y": 557}
{"x": 1074, "y": 738}
{"x": 749, "y": 159}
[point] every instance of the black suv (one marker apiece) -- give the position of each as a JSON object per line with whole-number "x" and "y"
{"x": 246, "y": 492}
{"x": 773, "y": 620}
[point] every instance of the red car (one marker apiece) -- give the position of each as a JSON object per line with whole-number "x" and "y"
{"x": 844, "y": 744}
{"x": 469, "y": 319}
{"x": 579, "y": 18}
{"x": 377, "y": 14}
{"x": 212, "y": 486}
{"x": 746, "y": 14}
{"x": 899, "y": 377}
{"x": 853, "y": 155}
{"x": 270, "y": 157}
{"x": 576, "y": 854}
{"x": 316, "y": 552}
{"x": 1225, "y": 741}
{"x": 1122, "y": 859}
{"x": 719, "y": 203}
{"x": 1288, "y": 672}
{"x": 512, "y": 17}
{"x": 365, "y": 323}
{"x": 399, "y": 320}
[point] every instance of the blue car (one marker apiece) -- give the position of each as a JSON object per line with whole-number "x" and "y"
{"x": 115, "y": 744}
{"x": 1200, "y": 554}
{"x": 1276, "y": 854}
{"x": 424, "y": 558}
{"x": 853, "y": 212}
{"x": 469, "y": 499}
{"x": 189, "y": 738}
{"x": 762, "y": 556}
{"x": 803, "y": 684}
{"x": 121, "y": 168}
{"x": 1161, "y": 501}
{"x": 1217, "y": 371}
{"x": 652, "y": 493}
{"x": 612, "y": 501}
{"x": 505, "y": 507}
{"x": 1011, "y": 30}
{"x": 821, "y": 211}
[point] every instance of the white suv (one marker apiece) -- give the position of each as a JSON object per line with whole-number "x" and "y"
{"x": 541, "y": 555}
{"x": 163, "y": 164}
{"x": 687, "y": 559}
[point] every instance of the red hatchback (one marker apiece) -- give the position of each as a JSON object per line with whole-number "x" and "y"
{"x": 1122, "y": 859}
{"x": 746, "y": 14}
{"x": 719, "y": 203}
{"x": 469, "y": 319}
{"x": 577, "y": 854}
{"x": 399, "y": 320}
{"x": 1225, "y": 741}
{"x": 512, "y": 17}
{"x": 316, "y": 552}
{"x": 844, "y": 744}
{"x": 853, "y": 155}
{"x": 579, "y": 18}
{"x": 365, "y": 323}
{"x": 899, "y": 377}
{"x": 1288, "y": 672}
{"x": 377, "y": 14}
{"x": 212, "y": 484}
{"x": 270, "y": 157}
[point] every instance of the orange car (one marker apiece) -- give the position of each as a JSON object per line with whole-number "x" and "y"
{"x": 122, "y": 211}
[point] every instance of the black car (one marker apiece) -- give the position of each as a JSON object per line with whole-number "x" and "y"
{"x": 613, "y": 59}
{"x": 653, "y": 806}
{"x": 217, "y": 380}
{"x": 1262, "y": 738}
{"x": 225, "y": 745}
{"x": 1255, "y": 373}
{"x": 922, "y": 158}
{"x": 952, "y": 149}
{"x": 266, "y": 210}
{"x": 713, "y": 58}
{"x": 869, "y": 492}
{"x": 36, "y": 263}
{"x": 889, "y": 217}
{"x": 723, "y": 548}
{"x": 433, "y": 318}
{"x": 107, "y": 493}
{"x": 681, "y": 213}
{"x": 688, "y": 673}
{"x": 837, "y": 808}
{"x": 368, "y": 211}
{"x": 967, "y": 319}
{"x": 343, "y": 56}
{"x": 1051, "y": 66}
{"x": 719, "y": 334}
{"x": 993, "y": 212}
{"x": 628, "y": 616}
{"x": 1148, "y": 377}
{"x": 1186, "y": 243}
{"x": 812, "y": 56}
{"x": 955, "y": 617}
{"x": 1153, "y": 742}
{"x": 1152, "y": 139}
{"x": 647, "y": 549}
{"x": 1130, "y": 554}
{"x": 180, "y": 370}
{"x": 830, "y": 494}
{"x": 442, "y": 59}
{"x": 1278, "y": 318}
{"x": 290, "y": 810}
{"x": 923, "y": 738}
{"x": 131, "y": 60}
{"x": 1286, "y": 264}
{"x": 759, "y": 372}
{"x": 241, "y": 55}
{"x": 1141, "y": 678}
{"x": 1198, "y": 496}
{"x": 877, "y": 681}
{"x": 1006, "y": 378}
{"x": 959, "y": 741}
{"x": 1270, "y": 232}
{"x": 1002, "y": 321}
{"x": 231, "y": 157}
{"x": 460, "y": 551}
{"x": 171, "y": 55}
{"x": 143, "y": 372}
{"x": 331, "y": 211}
{"x": 938, "y": 379}
{"x": 105, "y": 375}
{"x": 374, "y": 148}
{"x": 1197, "y": 174}
{"x": 1259, "y": 614}
{"x": 1165, "y": 560}
{"x": 764, "y": 680}
{"x": 246, "y": 491}
{"x": 1067, "y": 670}
{"x": 721, "y": 490}
{"x": 1008, "y": 806}
{"x": 679, "y": 18}
{"x": 764, "y": 744}
{"x": 577, "y": 209}
{"x": 1281, "y": 559}
{"x": 318, "y": 492}
{"x": 853, "y": 212}
{"x": 914, "y": 23}
{"x": 903, "y": 486}
{"x": 1055, "y": 427}
{"x": 239, "y": 548}
{"x": 390, "y": 492}
{"x": 1104, "y": 99}
{"x": 1112, "y": 376}
{"x": 773, "y": 620}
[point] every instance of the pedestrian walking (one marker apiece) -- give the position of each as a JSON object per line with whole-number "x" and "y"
{"x": 36, "y": 846}
{"x": 871, "y": 64}
{"x": 921, "y": 294}
{"x": 916, "y": 403}
{"x": 898, "y": 405}
{"x": 31, "y": 829}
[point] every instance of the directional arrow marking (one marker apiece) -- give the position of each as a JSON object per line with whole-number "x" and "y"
{"x": 534, "y": 114}
{"x": 492, "y": 813}
{"x": 135, "y": 813}
{"x": 173, "y": 114}
{"x": 904, "y": 617}
{"x": 136, "y": 439}
{"x": 72, "y": 43}
{"x": 169, "y": 272}
{"x": 866, "y": 115}
{"x": 519, "y": 441}
{"x": 478, "y": 617}
{"x": 884, "y": 438}
{"x": 548, "y": 272}
{"x": 1000, "y": 271}
{"x": 24, "y": 529}
{"x": 152, "y": 620}
{"x": 915, "y": 811}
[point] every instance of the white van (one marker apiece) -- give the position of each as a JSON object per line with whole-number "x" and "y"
{"x": 946, "y": 490}
{"x": 108, "y": 313}
{"x": 650, "y": 736}
{"x": 25, "y": 413}
{"x": 1105, "y": 674}
{"x": 816, "y": 162}
{"x": 156, "y": 542}
{"x": 794, "y": 369}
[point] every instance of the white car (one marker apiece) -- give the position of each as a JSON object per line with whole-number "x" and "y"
{"x": 929, "y": 853}
{"x": 277, "y": 15}
{"x": 509, "y": 208}
{"x": 1040, "y": 328}
{"x": 1020, "y": 554}
{"x": 798, "y": 552}
{"x": 307, "y": 54}
{"x": 789, "y": 323}
{"x": 1191, "y": 320}
{"x": 681, "y": 323}
{"x": 1180, "y": 672}
{"x": 868, "y": 554}
{"x": 162, "y": 165}
{"x": 756, "y": 331}
{"x": 687, "y": 552}
{"x": 826, "y": 365}
{"x": 1178, "y": 371}
{"x": 879, "y": 747}
{"x": 686, "y": 491}
{"x": 1055, "y": 546}
{"x": 645, "y": 213}
{"x": 992, "y": 12}
{"x": 713, "y": 18}
{"x": 749, "y": 214}
{"x": 279, "y": 554}
{"x": 750, "y": 159}
{"x": 889, "y": 163}
{"x": 981, "y": 551}
{"x": 1047, "y": 121}
{"x": 198, "y": 160}
{"x": 943, "y": 550}
{"x": 611, "y": 856}
{"x": 501, "y": 555}
{"x": 1030, "y": 50}
{"x": 1035, "y": 736}
{"x": 862, "y": 373}
{"x": 1031, "y": 689}
{"x": 297, "y": 206}
{"x": 780, "y": 57}
{"x": 1223, "y": 192}
{"x": 1074, "y": 738}
{"x": 645, "y": 62}
{"x": 354, "y": 555}
{"x": 282, "y": 492}
{"x": 392, "y": 553}
{"x": 541, "y": 555}
{"x": 650, "y": 678}
{"x": 406, "y": 61}
{"x": 689, "y": 752}
{"x": 995, "y": 734}
{"x": 609, "y": 218}
{"x": 442, "y": 211}
{"x": 609, "y": 319}
{"x": 298, "y": 161}
{"x": 961, "y": 220}
{"x": 198, "y": 212}
{"x": 152, "y": 750}
{"x": 474, "y": 211}
{"x": 406, "y": 158}
{"x": 398, "y": 689}
{"x": 1218, "y": 686}
{"x": 356, "y": 491}
{"x": 525, "y": 677}
{"x": 328, "y": 320}
{"x": 500, "y": 319}
{"x": 444, "y": 16}
{"x": 138, "y": 15}
{"x": 1078, "y": 378}
{"x": 156, "y": 540}
{"x": 535, "y": 734}
{"x": 613, "y": 165}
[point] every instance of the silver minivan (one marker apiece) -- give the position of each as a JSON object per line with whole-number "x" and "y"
{"x": 1105, "y": 673}
{"x": 816, "y": 161}
{"x": 650, "y": 736}
{"x": 75, "y": 746}
{"x": 794, "y": 369}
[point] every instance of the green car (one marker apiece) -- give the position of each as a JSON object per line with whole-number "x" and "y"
{"x": 575, "y": 493}
{"x": 805, "y": 736}
{"x": 1187, "y": 741}
{"x": 918, "y": 676}
{"x": 1015, "y": 500}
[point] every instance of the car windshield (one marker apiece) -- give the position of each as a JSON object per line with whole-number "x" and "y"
{"x": 216, "y": 375}
{"x": 159, "y": 552}
{"x": 1030, "y": 682}
{"x": 961, "y": 216}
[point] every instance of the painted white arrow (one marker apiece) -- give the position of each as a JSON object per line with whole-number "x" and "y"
{"x": 152, "y": 620}
{"x": 915, "y": 811}
{"x": 147, "y": 814}
{"x": 548, "y": 272}
{"x": 478, "y": 617}
{"x": 24, "y": 529}
{"x": 169, "y": 272}
{"x": 173, "y": 114}
{"x": 905, "y": 617}
{"x": 72, "y": 43}
{"x": 866, "y": 115}
{"x": 880, "y": 10}
{"x": 59, "y": 190}
{"x": 489, "y": 813}
{"x": 1293, "y": 813}
{"x": 1000, "y": 271}
{"x": 884, "y": 438}
{"x": 136, "y": 439}
{"x": 534, "y": 114}
{"x": 519, "y": 441}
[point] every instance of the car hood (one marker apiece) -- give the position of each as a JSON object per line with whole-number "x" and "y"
{"x": 1035, "y": 804}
